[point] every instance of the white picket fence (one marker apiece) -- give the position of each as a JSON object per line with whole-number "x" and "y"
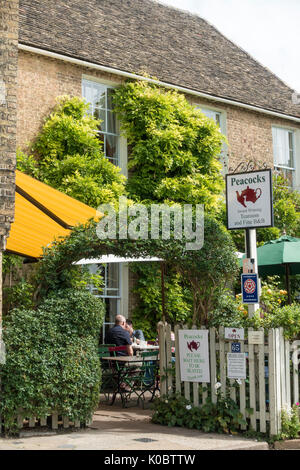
{"x": 272, "y": 382}
{"x": 54, "y": 421}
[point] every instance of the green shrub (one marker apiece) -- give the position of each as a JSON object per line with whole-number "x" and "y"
{"x": 221, "y": 417}
{"x": 52, "y": 362}
{"x": 69, "y": 156}
{"x": 290, "y": 423}
{"x": 287, "y": 317}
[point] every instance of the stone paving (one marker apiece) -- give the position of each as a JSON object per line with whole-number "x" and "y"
{"x": 117, "y": 428}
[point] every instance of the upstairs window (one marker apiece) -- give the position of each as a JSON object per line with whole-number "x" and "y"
{"x": 284, "y": 150}
{"x": 99, "y": 97}
{"x": 216, "y": 116}
{"x": 213, "y": 115}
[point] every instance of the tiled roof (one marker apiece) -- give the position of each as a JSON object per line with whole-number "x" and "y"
{"x": 146, "y": 36}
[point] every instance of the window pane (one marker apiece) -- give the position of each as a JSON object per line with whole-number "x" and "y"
{"x": 112, "y": 148}
{"x": 99, "y": 97}
{"x": 283, "y": 147}
{"x": 212, "y": 115}
{"x": 111, "y": 122}
{"x": 101, "y": 115}
{"x": 88, "y": 93}
{"x": 113, "y": 275}
{"x": 110, "y": 92}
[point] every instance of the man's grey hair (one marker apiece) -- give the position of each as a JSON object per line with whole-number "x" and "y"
{"x": 119, "y": 320}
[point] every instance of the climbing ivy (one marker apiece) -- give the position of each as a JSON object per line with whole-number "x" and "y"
{"x": 69, "y": 156}
{"x": 174, "y": 146}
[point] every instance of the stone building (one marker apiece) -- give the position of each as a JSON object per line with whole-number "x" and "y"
{"x": 8, "y": 117}
{"x": 87, "y": 48}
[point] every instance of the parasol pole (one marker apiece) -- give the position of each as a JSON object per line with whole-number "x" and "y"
{"x": 287, "y": 282}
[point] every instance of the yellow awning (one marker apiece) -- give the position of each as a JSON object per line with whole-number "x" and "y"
{"x": 42, "y": 214}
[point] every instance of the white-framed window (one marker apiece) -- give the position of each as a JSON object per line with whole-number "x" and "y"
{"x": 219, "y": 119}
{"x": 99, "y": 97}
{"x": 111, "y": 291}
{"x": 215, "y": 115}
{"x": 284, "y": 152}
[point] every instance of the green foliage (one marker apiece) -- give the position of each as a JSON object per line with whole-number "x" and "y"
{"x": 69, "y": 156}
{"x": 27, "y": 164}
{"x": 148, "y": 288}
{"x": 209, "y": 270}
{"x": 18, "y": 295}
{"x": 287, "y": 317}
{"x": 290, "y": 423}
{"x": 221, "y": 417}
{"x": 206, "y": 271}
{"x": 52, "y": 362}
{"x": 174, "y": 147}
{"x": 230, "y": 311}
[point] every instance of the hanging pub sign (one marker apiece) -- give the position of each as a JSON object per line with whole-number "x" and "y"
{"x": 249, "y": 200}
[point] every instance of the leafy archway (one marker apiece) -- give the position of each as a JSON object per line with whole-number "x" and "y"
{"x": 208, "y": 270}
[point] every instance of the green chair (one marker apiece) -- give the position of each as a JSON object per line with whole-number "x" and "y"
{"x": 108, "y": 379}
{"x": 143, "y": 378}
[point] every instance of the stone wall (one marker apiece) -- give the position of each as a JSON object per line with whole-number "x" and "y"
{"x": 42, "y": 79}
{"x": 8, "y": 110}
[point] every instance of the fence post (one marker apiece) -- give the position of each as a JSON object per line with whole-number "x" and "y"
{"x": 213, "y": 364}
{"x": 252, "y": 385}
{"x": 162, "y": 358}
{"x": 274, "y": 382}
{"x": 295, "y": 361}
{"x": 262, "y": 385}
{"x": 222, "y": 360}
{"x": 279, "y": 379}
{"x": 177, "y": 361}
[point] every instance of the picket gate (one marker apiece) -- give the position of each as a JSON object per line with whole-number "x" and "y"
{"x": 272, "y": 382}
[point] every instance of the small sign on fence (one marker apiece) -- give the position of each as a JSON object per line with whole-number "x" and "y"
{"x": 236, "y": 365}
{"x": 255, "y": 337}
{"x": 234, "y": 333}
{"x": 194, "y": 355}
{"x": 235, "y": 347}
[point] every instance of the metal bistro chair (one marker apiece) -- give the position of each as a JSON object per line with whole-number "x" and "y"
{"x": 119, "y": 373}
{"x": 144, "y": 378}
{"x": 107, "y": 379}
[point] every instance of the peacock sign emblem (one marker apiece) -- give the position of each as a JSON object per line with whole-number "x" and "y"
{"x": 248, "y": 195}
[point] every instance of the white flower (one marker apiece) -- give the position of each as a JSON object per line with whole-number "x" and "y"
{"x": 166, "y": 401}
{"x": 188, "y": 407}
{"x": 239, "y": 381}
{"x": 218, "y": 385}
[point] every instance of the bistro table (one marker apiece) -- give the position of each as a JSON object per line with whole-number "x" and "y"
{"x": 148, "y": 347}
{"x": 133, "y": 371}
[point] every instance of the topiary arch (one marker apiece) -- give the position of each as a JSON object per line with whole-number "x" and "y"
{"x": 208, "y": 270}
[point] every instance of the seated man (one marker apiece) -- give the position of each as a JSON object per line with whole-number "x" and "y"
{"x": 119, "y": 336}
{"x": 137, "y": 334}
